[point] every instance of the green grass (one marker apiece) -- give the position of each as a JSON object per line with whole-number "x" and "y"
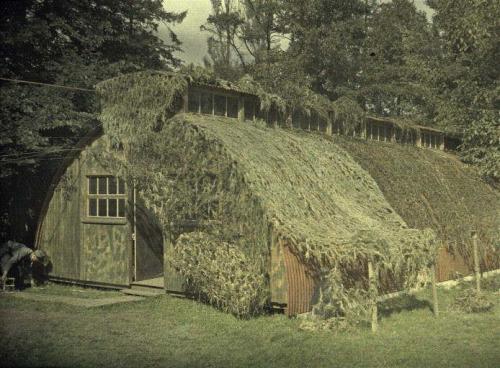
{"x": 170, "y": 332}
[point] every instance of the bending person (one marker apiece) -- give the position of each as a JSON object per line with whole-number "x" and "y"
{"x": 20, "y": 257}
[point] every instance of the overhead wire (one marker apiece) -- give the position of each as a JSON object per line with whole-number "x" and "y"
{"x": 39, "y": 153}
{"x": 20, "y": 157}
{"x": 53, "y": 85}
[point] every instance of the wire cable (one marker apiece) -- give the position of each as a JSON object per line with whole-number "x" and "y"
{"x": 47, "y": 84}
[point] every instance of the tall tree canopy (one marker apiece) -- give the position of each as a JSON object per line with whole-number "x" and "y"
{"x": 71, "y": 43}
{"x": 467, "y": 79}
{"x": 386, "y": 57}
{"x": 75, "y": 43}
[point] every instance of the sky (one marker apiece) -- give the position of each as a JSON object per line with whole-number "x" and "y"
{"x": 194, "y": 42}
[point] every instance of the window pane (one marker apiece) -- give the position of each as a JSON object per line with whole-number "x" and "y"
{"x": 112, "y": 185}
{"x": 121, "y": 186}
{"x": 249, "y": 108}
{"x": 206, "y": 103}
{"x": 280, "y": 118}
{"x": 103, "y": 208}
{"x": 257, "y": 109}
{"x": 232, "y": 107}
{"x": 102, "y": 185}
{"x": 220, "y": 105}
{"x": 121, "y": 207}
{"x": 92, "y": 185}
{"x": 193, "y": 101}
{"x": 272, "y": 115}
{"x": 314, "y": 121}
{"x": 112, "y": 210}
{"x": 297, "y": 117}
{"x": 322, "y": 124}
{"x": 336, "y": 127}
{"x": 92, "y": 207}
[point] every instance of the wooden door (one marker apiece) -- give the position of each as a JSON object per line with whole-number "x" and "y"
{"x": 148, "y": 244}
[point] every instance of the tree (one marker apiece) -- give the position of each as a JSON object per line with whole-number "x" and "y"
{"x": 467, "y": 79}
{"x": 397, "y": 48}
{"x": 242, "y": 33}
{"x": 226, "y": 58}
{"x": 327, "y": 36}
{"x": 72, "y": 43}
{"x": 260, "y": 31}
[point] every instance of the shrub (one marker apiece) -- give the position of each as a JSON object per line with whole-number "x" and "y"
{"x": 491, "y": 283}
{"x": 220, "y": 273}
{"x": 470, "y": 301}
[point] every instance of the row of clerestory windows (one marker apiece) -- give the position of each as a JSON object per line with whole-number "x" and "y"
{"x": 217, "y": 103}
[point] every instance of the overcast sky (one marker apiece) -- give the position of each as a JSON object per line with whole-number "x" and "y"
{"x": 194, "y": 42}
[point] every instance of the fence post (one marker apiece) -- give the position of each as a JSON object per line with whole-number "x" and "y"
{"x": 476, "y": 261}
{"x": 435, "y": 306}
{"x": 372, "y": 277}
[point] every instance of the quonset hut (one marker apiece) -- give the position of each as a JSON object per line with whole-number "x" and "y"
{"x": 291, "y": 202}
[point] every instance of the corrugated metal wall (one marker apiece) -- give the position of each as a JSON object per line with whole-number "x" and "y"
{"x": 301, "y": 285}
{"x": 449, "y": 264}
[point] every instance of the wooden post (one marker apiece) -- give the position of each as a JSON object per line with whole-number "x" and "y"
{"x": 372, "y": 277}
{"x": 435, "y": 306}
{"x": 476, "y": 261}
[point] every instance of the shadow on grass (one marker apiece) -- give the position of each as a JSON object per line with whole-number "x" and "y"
{"x": 401, "y": 303}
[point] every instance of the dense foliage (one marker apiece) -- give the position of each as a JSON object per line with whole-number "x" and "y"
{"x": 72, "y": 43}
{"x": 220, "y": 274}
{"x": 428, "y": 189}
{"x": 437, "y": 69}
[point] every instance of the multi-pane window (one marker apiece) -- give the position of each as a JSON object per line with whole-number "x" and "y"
{"x": 378, "y": 132}
{"x": 206, "y": 103}
{"x": 249, "y": 108}
{"x": 194, "y": 101}
{"x": 220, "y": 105}
{"x": 431, "y": 140}
{"x": 322, "y": 124}
{"x": 232, "y": 107}
{"x": 106, "y": 197}
{"x": 313, "y": 122}
{"x": 210, "y": 103}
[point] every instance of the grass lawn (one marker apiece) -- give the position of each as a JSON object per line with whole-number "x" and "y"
{"x": 169, "y": 332}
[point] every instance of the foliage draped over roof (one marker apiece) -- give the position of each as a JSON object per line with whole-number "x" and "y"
{"x": 314, "y": 195}
{"x": 434, "y": 189}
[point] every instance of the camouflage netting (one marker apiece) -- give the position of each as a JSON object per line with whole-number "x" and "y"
{"x": 236, "y": 286}
{"x": 433, "y": 189}
{"x": 246, "y": 179}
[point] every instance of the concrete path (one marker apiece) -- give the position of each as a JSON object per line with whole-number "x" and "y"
{"x": 80, "y": 302}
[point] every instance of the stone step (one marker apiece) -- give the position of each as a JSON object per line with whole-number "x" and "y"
{"x": 149, "y": 288}
{"x": 142, "y": 292}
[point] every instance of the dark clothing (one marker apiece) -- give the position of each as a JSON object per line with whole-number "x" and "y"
{"x": 13, "y": 253}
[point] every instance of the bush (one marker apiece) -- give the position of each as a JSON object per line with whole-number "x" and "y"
{"x": 491, "y": 283}
{"x": 470, "y": 301}
{"x": 220, "y": 273}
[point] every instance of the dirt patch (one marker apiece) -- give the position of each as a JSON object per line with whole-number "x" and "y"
{"x": 80, "y": 302}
